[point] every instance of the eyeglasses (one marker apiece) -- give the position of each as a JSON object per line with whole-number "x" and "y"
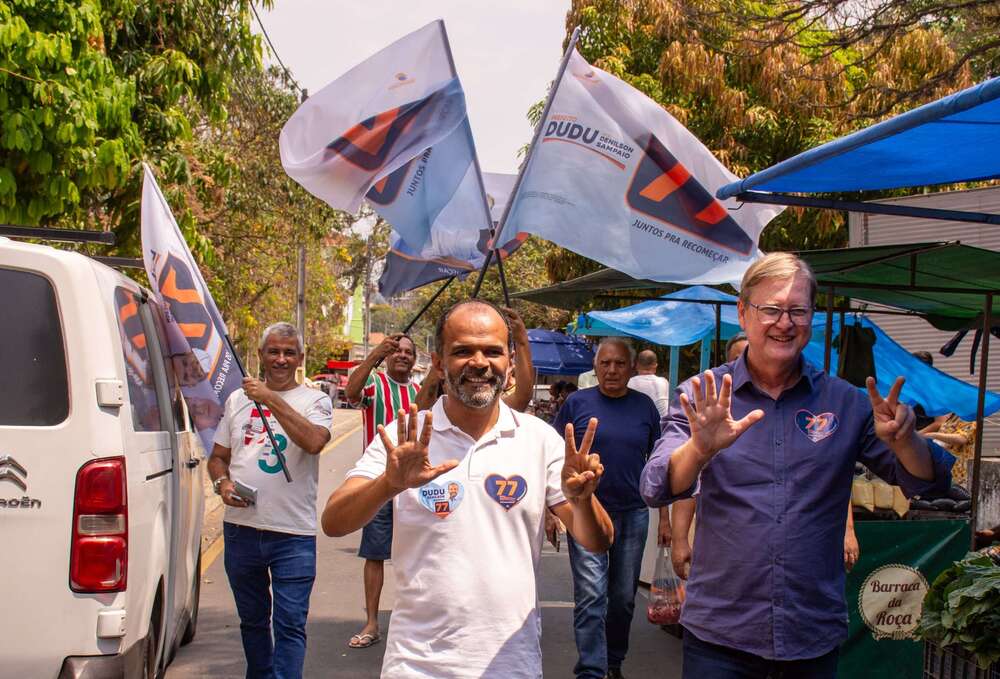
{"x": 769, "y": 314}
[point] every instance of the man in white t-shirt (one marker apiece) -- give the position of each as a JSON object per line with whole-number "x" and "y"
{"x": 270, "y": 543}
{"x": 469, "y": 501}
{"x": 648, "y": 382}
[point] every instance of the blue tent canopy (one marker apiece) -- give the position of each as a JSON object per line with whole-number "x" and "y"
{"x": 951, "y": 140}
{"x": 673, "y": 324}
{"x": 678, "y": 323}
{"x": 554, "y": 353}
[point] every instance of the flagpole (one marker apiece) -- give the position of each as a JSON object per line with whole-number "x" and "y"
{"x": 427, "y": 306}
{"x": 263, "y": 417}
{"x": 527, "y": 161}
{"x": 413, "y": 321}
{"x": 482, "y": 193}
{"x": 503, "y": 279}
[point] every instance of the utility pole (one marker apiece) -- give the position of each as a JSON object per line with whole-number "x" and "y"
{"x": 300, "y": 299}
{"x": 300, "y": 295}
{"x": 366, "y": 292}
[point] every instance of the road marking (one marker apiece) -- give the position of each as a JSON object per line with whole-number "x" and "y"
{"x": 556, "y": 604}
{"x": 340, "y": 439}
{"x": 209, "y": 556}
{"x": 213, "y": 551}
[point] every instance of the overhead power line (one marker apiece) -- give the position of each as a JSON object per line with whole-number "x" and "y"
{"x": 274, "y": 51}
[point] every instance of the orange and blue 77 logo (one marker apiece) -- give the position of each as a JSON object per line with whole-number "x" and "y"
{"x": 506, "y": 491}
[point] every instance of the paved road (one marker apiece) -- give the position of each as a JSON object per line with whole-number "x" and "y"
{"x": 336, "y": 610}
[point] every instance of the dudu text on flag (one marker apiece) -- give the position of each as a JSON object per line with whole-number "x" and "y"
{"x": 614, "y": 177}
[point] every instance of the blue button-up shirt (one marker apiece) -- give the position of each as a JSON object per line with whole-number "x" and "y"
{"x": 767, "y": 575}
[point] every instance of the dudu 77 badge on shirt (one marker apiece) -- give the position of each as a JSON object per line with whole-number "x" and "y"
{"x": 441, "y": 499}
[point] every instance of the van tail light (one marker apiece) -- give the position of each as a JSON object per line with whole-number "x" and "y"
{"x": 99, "y": 555}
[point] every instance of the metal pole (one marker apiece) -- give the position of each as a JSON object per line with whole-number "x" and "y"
{"x": 503, "y": 279}
{"x": 486, "y": 204}
{"x": 527, "y": 161}
{"x": 828, "y": 338}
{"x": 263, "y": 418}
{"x": 980, "y": 408}
{"x": 427, "y": 306}
{"x": 718, "y": 336}
{"x": 870, "y": 208}
{"x": 300, "y": 304}
{"x": 366, "y": 293}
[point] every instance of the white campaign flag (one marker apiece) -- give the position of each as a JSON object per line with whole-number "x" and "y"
{"x": 203, "y": 364}
{"x": 616, "y": 178}
{"x": 459, "y": 237}
{"x": 375, "y": 119}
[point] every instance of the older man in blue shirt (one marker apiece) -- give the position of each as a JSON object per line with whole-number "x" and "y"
{"x": 770, "y": 456}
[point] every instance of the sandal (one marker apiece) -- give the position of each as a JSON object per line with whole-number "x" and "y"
{"x": 364, "y": 640}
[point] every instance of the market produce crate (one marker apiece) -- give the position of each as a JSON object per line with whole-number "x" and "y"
{"x": 954, "y": 662}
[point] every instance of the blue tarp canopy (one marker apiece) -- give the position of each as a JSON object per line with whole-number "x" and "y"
{"x": 674, "y": 324}
{"x": 554, "y": 353}
{"x": 678, "y": 323}
{"x": 951, "y": 140}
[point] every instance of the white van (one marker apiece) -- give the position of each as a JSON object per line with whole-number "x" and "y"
{"x": 101, "y": 494}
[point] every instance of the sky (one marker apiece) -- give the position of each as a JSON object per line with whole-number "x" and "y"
{"x": 506, "y": 53}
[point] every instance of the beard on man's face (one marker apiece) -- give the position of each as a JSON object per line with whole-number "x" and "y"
{"x": 476, "y": 388}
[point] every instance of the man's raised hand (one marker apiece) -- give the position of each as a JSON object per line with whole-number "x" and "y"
{"x": 710, "y": 417}
{"x": 388, "y": 346}
{"x": 407, "y": 464}
{"x": 894, "y": 421}
{"x": 581, "y": 470}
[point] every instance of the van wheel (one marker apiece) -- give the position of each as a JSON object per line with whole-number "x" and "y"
{"x": 192, "y": 625}
{"x": 149, "y": 669}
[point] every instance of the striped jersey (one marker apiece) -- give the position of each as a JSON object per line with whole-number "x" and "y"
{"x": 381, "y": 399}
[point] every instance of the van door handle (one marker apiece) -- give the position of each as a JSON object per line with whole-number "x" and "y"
{"x": 193, "y": 462}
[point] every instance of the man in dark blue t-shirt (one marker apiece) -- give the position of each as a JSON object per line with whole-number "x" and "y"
{"x": 604, "y": 585}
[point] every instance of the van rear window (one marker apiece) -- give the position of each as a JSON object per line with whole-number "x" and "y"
{"x": 31, "y": 346}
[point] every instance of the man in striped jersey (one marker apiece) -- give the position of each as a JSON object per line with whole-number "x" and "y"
{"x": 380, "y": 395}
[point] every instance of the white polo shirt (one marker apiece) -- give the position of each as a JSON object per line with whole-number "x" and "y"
{"x": 466, "y": 548}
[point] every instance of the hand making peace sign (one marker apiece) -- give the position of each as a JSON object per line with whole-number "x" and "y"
{"x": 894, "y": 421}
{"x": 712, "y": 425}
{"x": 407, "y": 464}
{"x": 581, "y": 470}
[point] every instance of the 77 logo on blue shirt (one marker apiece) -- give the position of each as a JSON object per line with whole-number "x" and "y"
{"x": 816, "y": 427}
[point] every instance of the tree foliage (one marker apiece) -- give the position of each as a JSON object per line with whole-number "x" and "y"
{"x": 89, "y": 88}
{"x": 752, "y": 94}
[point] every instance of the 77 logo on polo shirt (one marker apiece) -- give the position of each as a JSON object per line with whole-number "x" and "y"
{"x": 506, "y": 491}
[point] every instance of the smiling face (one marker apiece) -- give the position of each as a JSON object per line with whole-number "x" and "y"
{"x": 399, "y": 363}
{"x": 280, "y": 357}
{"x": 777, "y": 345}
{"x": 474, "y": 360}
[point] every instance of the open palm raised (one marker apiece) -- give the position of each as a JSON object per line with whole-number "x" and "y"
{"x": 710, "y": 416}
{"x": 407, "y": 464}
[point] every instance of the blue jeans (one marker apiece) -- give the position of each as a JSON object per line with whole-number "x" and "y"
{"x": 703, "y": 660}
{"x": 259, "y": 563}
{"x": 604, "y": 587}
